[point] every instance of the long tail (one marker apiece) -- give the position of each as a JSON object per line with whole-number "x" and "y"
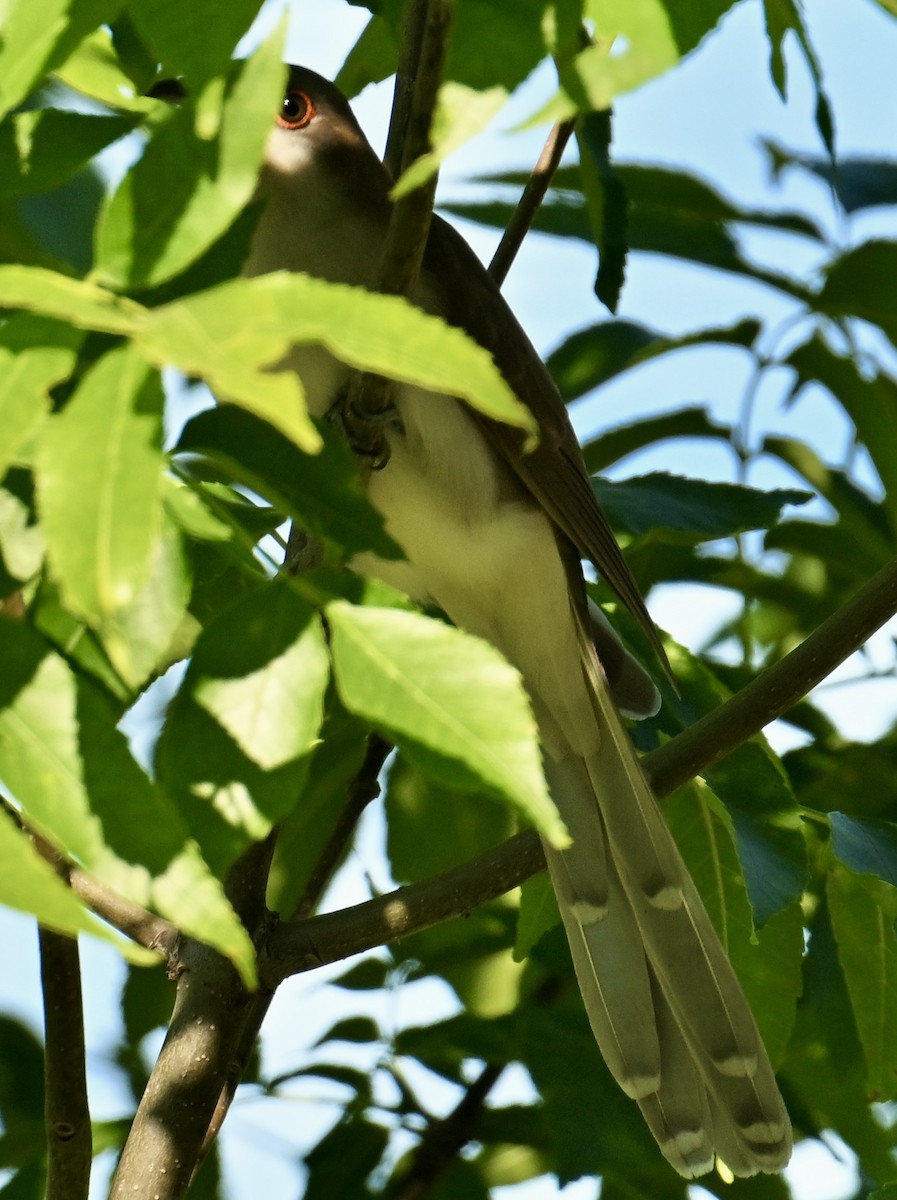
{"x": 666, "y": 1008}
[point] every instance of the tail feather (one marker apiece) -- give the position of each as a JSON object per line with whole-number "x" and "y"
{"x": 665, "y": 1005}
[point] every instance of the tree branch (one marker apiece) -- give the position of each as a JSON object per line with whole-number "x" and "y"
{"x": 293, "y": 948}
{"x": 528, "y": 204}
{"x": 363, "y": 789}
{"x": 137, "y": 923}
{"x": 444, "y": 1140}
{"x": 211, "y": 1009}
{"x": 417, "y": 87}
{"x": 777, "y": 688}
{"x": 67, "y": 1116}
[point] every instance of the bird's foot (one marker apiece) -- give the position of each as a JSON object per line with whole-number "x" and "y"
{"x": 363, "y": 414}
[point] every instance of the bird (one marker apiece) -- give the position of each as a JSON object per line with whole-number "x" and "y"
{"x": 494, "y": 534}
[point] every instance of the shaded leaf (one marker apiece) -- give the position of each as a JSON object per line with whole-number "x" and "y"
{"x": 693, "y": 506}
{"x": 234, "y": 751}
{"x": 605, "y": 203}
{"x": 341, "y": 1162}
{"x": 44, "y": 147}
{"x": 859, "y": 183}
{"x": 416, "y": 807}
{"x": 860, "y": 283}
{"x": 867, "y": 846}
{"x": 28, "y": 883}
{"x": 195, "y": 42}
{"x": 784, "y": 17}
{"x": 869, "y": 398}
{"x": 321, "y": 491}
{"x": 593, "y": 355}
{"x": 35, "y": 354}
{"x": 863, "y": 912}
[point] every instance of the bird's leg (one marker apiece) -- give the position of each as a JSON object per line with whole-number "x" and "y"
{"x": 362, "y": 414}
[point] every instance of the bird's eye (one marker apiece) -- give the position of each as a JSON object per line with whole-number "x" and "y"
{"x": 297, "y": 110}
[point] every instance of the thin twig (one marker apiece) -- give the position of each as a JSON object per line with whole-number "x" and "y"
{"x": 294, "y": 948}
{"x": 141, "y": 926}
{"x": 777, "y": 688}
{"x": 444, "y": 1140}
{"x": 533, "y": 194}
{"x": 67, "y": 1116}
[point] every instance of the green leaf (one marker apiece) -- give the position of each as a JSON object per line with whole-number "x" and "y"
{"x": 868, "y": 397}
{"x": 231, "y": 335}
{"x": 28, "y": 883}
{"x": 321, "y": 491}
{"x": 593, "y": 1127}
{"x": 670, "y": 212}
{"x": 767, "y": 963}
{"x": 867, "y": 846}
{"x": 195, "y": 42}
{"x": 417, "y": 805}
{"x": 143, "y": 638}
{"x": 606, "y": 204}
{"x": 69, "y": 768}
{"x": 860, "y": 283}
{"x": 461, "y": 114}
{"x": 607, "y": 449}
{"x": 305, "y": 832}
{"x": 21, "y": 541}
{"x": 472, "y": 957}
{"x": 593, "y": 355}
{"x": 858, "y": 182}
{"x": 449, "y": 700}
{"x": 750, "y": 782}
{"x": 261, "y": 675}
{"x": 41, "y": 149}
{"x": 783, "y": 17}
{"x": 538, "y": 913}
{"x": 35, "y": 355}
{"x": 95, "y": 69}
{"x": 196, "y": 174}
{"x": 343, "y": 1159}
{"x": 691, "y": 506}
{"x": 82, "y": 304}
{"x": 634, "y": 43}
{"x": 99, "y": 471}
{"x": 352, "y": 1029}
{"x": 234, "y": 751}
{"x": 863, "y": 914}
{"x": 38, "y": 37}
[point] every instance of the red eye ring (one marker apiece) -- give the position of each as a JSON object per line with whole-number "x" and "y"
{"x": 296, "y": 111}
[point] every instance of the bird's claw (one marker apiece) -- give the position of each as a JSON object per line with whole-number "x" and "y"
{"x": 364, "y": 428}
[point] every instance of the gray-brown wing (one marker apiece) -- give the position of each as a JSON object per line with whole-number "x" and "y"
{"x": 554, "y": 471}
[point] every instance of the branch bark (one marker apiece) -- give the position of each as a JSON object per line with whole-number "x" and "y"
{"x": 67, "y": 1116}
{"x": 417, "y": 86}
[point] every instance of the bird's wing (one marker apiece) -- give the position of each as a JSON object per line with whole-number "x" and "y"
{"x": 554, "y": 471}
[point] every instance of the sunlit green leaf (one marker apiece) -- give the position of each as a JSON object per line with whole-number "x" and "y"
{"x": 237, "y": 738}
{"x": 69, "y": 767}
{"x": 99, "y": 479}
{"x": 187, "y": 188}
{"x": 450, "y": 701}
{"x": 36, "y": 37}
